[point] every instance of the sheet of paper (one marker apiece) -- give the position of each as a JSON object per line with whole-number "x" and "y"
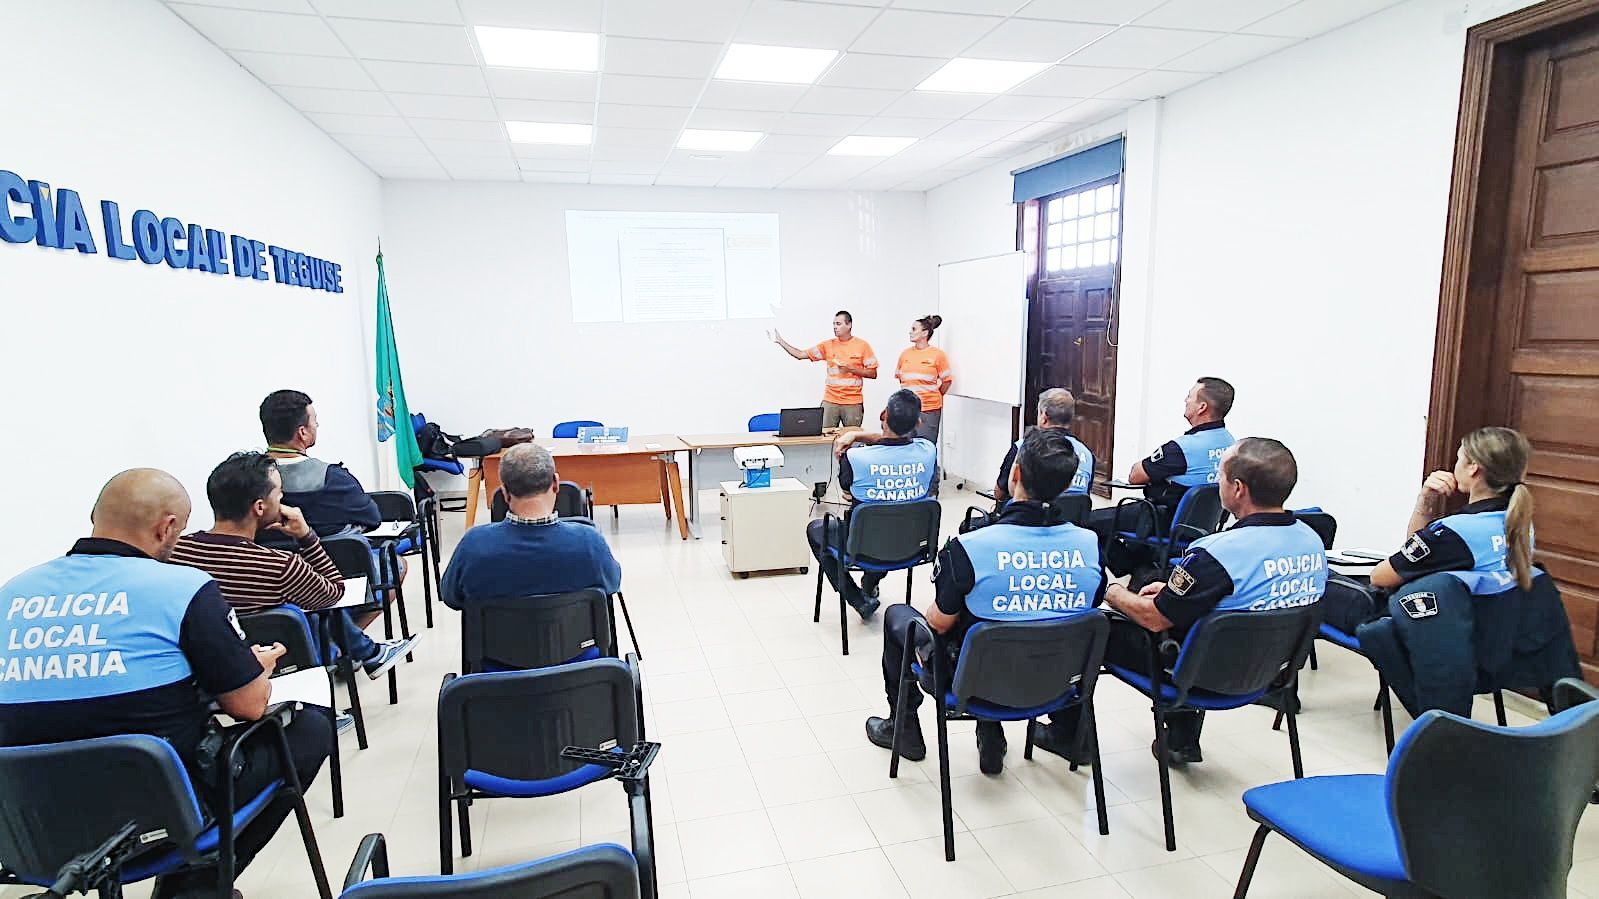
{"x": 673, "y": 274}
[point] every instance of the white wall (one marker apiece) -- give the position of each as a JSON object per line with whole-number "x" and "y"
{"x": 1293, "y": 246}
{"x": 479, "y": 283}
{"x": 110, "y": 364}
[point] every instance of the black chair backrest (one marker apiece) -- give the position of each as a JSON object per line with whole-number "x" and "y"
{"x": 1570, "y": 693}
{"x": 605, "y": 871}
{"x": 1483, "y": 811}
{"x": 514, "y": 724}
{"x": 1027, "y": 664}
{"x": 535, "y": 631}
{"x": 288, "y": 625}
{"x": 499, "y": 506}
{"x": 1071, "y": 508}
{"x": 1199, "y": 512}
{"x": 352, "y": 554}
{"x": 572, "y": 501}
{"x": 1325, "y": 526}
{"x": 893, "y": 532}
{"x": 1236, "y": 653}
{"x": 59, "y": 800}
{"x": 394, "y": 505}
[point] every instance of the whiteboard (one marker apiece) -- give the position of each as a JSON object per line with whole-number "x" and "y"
{"x": 984, "y": 305}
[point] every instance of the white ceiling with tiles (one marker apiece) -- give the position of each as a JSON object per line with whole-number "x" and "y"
{"x": 856, "y": 94}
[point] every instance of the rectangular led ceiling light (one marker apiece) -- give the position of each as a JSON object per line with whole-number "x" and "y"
{"x": 980, "y": 76}
{"x": 525, "y": 48}
{"x": 778, "y": 65}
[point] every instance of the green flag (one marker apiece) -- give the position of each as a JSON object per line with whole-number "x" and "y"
{"x": 394, "y": 416}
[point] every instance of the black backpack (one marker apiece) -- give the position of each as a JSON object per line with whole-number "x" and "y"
{"x": 434, "y": 442}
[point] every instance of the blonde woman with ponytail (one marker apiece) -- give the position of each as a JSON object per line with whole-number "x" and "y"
{"x": 1489, "y": 541}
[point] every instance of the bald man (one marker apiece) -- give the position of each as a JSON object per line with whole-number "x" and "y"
{"x": 114, "y": 641}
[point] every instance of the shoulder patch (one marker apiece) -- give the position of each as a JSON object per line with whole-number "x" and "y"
{"x": 1159, "y": 452}
{"x": 1419, "y": 605}
{"x": 1415, "y": 548}
{"x": 233, "y": 619}
{"x": 1180, "y": 581}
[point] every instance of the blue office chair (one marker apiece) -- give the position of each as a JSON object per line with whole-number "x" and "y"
{"x": 531, "y": 632}
{"x": 1228, "y": 660}
{"x": 356, "y": 557}
{"x": 602, "y": 871}
{"x": 400, "y": 506}
{"x": 1337, "y": 583}
{"x": 58, "y": 800}
{"x": 1008, "y": 671}
{"x": 1137, "y": 522}
{"x": 306, "y": 647}
{"x": 766, "y": 421}
{"x": 1465, "y": 810}
{"x": 501, "y": 735}
{"x": 878, "y": 533}
{"x": 569, "y": 428}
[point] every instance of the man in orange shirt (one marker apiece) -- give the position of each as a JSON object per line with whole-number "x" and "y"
{"x": 849, "y": 359}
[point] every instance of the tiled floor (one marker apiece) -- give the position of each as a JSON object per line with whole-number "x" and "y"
{"x": 767, "y": 787}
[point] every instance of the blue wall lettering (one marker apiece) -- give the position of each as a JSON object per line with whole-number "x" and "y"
{"x": 112, "y": 219}
{"x": 14, "y": 227}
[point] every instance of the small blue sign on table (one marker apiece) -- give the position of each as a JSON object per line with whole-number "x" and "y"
{"x": 602, "y": 435}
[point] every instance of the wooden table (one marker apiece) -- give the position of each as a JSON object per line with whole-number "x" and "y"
{"x": 710, "y": 460}
{"x": 642, "y": 470}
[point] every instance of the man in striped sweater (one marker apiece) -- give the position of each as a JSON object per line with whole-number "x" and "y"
{"x": 246, "y": 494}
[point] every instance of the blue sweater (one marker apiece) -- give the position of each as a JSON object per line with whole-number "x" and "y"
{"x": 507, "y": 559}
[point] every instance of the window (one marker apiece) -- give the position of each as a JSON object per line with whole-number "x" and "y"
{"x": 1082, "y": 228}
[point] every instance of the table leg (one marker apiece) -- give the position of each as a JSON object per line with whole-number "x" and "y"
{"x": 676, "y": 480}
{"x": 474, "y": 486}
{"x": 694, "y": 491}
{"x": 666, "y": 493}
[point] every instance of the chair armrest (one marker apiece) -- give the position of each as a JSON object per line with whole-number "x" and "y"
{"x": 937, "y": 656}
{"x": 1141, "y": 503}
{"x": 634, "y": 670}
{"x": 373, "y": 855}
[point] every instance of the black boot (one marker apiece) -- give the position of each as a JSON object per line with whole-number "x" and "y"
{"x": 880, "y": 731}
{"x": 990, "y": 747}
{"x": 1059, "y": 739}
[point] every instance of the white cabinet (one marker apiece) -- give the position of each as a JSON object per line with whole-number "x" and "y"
{"x": 763, "y": 528}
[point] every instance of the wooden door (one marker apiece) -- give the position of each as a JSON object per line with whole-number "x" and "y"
{"x": 1071, "y": 322}
{"x": 1544, "y": 363}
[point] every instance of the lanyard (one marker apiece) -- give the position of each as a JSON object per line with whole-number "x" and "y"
{"x": 285, "y": 449}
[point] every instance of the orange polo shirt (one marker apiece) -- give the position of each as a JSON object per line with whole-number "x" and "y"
{"x": 922, "y": 372}
{"x": 843, "y": 388}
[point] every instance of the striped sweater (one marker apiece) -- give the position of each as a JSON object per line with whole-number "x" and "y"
{"x": 254, "y": 577}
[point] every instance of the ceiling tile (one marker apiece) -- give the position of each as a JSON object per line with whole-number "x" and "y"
{"x": 618, "y": 167}
{"x": 747, "y": 95}
{"x": 236, "y": 29}
{"x": 300, "y": 6}
{"x": 363, "y": 144}
{"x": 1072, "y": 81}
{"x": 810, "y": 123}
{"x": 439, "y": 12}
{"x": 635, "y": 139}
{"x": 938, "y": 152}
{"x": 975, "y": 129}
{"x": 684, "y": 20}
{"x": 1035, "y": 41}
{"x": 677, "y": 59}
{"x": 1104, "y": 12}
{"x": 306, "y": 71}
{"x": 1230, "y": 52}
{"x": 527, "y": 84}
{"x": 620, "y": 178}
{"x": 648, "y": 91}
{"x": 555, "y": 177}
{"x": 1021, "y": 109}
{"x": 784, "y": 23}
{"x": 733, "y": 119}
{"x": 619, "y": 114}
{"x": 904, "y": 31}
{"x": 899, "y": 126}
{"x": 797, "y": 143}
{"x": 458, "y": 130}
{"x": 686, "y": 180}
{"x": 541, "y": 154}
{"x": 468, "y": 168}
{"x": 980, "y": 7}
{"x": 1037, "y": 131}
{"x": 449, "y": 148}
{"x": 545, "y": 111}
{"x": 927, "y": 105}
{"x": 1094, "y": 110}
{"x": 1135, "y": 47}
{"x": 428, "y": 78}
{"x": 339, "y": 123}
{"x": 417, "y": 171}
{"x": 432, "y": 106}
{"x": 405, "y": 41}
{"x": 749, "y": 182}
{"x": 317, "y": 99}
{"x": 554, "y": 15}
{"x": 630, "y": 154}
{"x": 697, "y": 162}
{"x": 828, "y": 171}
{"x": 1154, "y": 84}
{"x": 1212, "y": 15}
{"x": 845, "y": 100}
{"x": 540, "y": 164}
{"x": 1312, "y": 17}
{"x": 1005, "y": 149}
{"x": 870, "y": 70}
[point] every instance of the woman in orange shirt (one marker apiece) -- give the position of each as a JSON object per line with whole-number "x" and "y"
{"x": 924, "y": 370}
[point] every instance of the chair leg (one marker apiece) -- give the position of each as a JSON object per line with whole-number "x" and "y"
{"x": 1161, "y": 743}
{"x": 908, "y": 573}
{"x": 628, "y": 619}
{"x": 1312, "y": 657}
{"x": 943, "y": 778}
{"x": 1499, "y": 707}
{"x": 463, "y": 809}
{"x": 347, "y": 668}
{"x": 335, "y": 768}
{"x": 843, "y": 623}
{"x": 1250, "y": 861}
{"x": 817, "y": 615}
{"x": 1027, "y": 748}
{"x": 399, "y": 603}
{"x": 1277, "y": 722}
{"x": 642, "y": 820}
{"x": 1290, "y": 699}
{"x": 446, "y": 833}
{"x": 313, "y": 853}
{"x": 427, "y": 588}
{"x": 1099, "y": 770}
{"x": 1387, "y": 714}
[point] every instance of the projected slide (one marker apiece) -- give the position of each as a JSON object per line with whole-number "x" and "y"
{"x": 661, "y": 266}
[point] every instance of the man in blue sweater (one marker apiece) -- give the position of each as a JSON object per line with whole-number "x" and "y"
{"x": 532, "y": 552}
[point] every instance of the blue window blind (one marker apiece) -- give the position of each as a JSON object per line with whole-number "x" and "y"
{"x": 1068, "y": 172}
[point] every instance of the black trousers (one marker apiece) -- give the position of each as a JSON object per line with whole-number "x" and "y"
{"x": 310, "y": 736}
{"x": 1128, "y": 647}
{"x": 823, "y": 533}
{"x": 1122, "y": 558}
{"x": 895, "y": 622}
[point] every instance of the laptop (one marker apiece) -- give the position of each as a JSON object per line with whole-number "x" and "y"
{"x": 803, "y": 422}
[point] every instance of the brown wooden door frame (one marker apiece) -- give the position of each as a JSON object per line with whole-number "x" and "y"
{"x": 1474, "y": 238}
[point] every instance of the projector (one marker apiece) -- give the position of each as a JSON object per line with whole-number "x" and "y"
{"x": 757, "y": 463}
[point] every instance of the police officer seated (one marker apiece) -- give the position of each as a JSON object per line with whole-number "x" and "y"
{"x": 121, "y": 643}
{"x": 1021, "y": 568}
{"x": 892, "y": 467}
{"x": 1056, "y": 406}
{"x": 1267, "y": 560}
{"x": 1189, "y": 460}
